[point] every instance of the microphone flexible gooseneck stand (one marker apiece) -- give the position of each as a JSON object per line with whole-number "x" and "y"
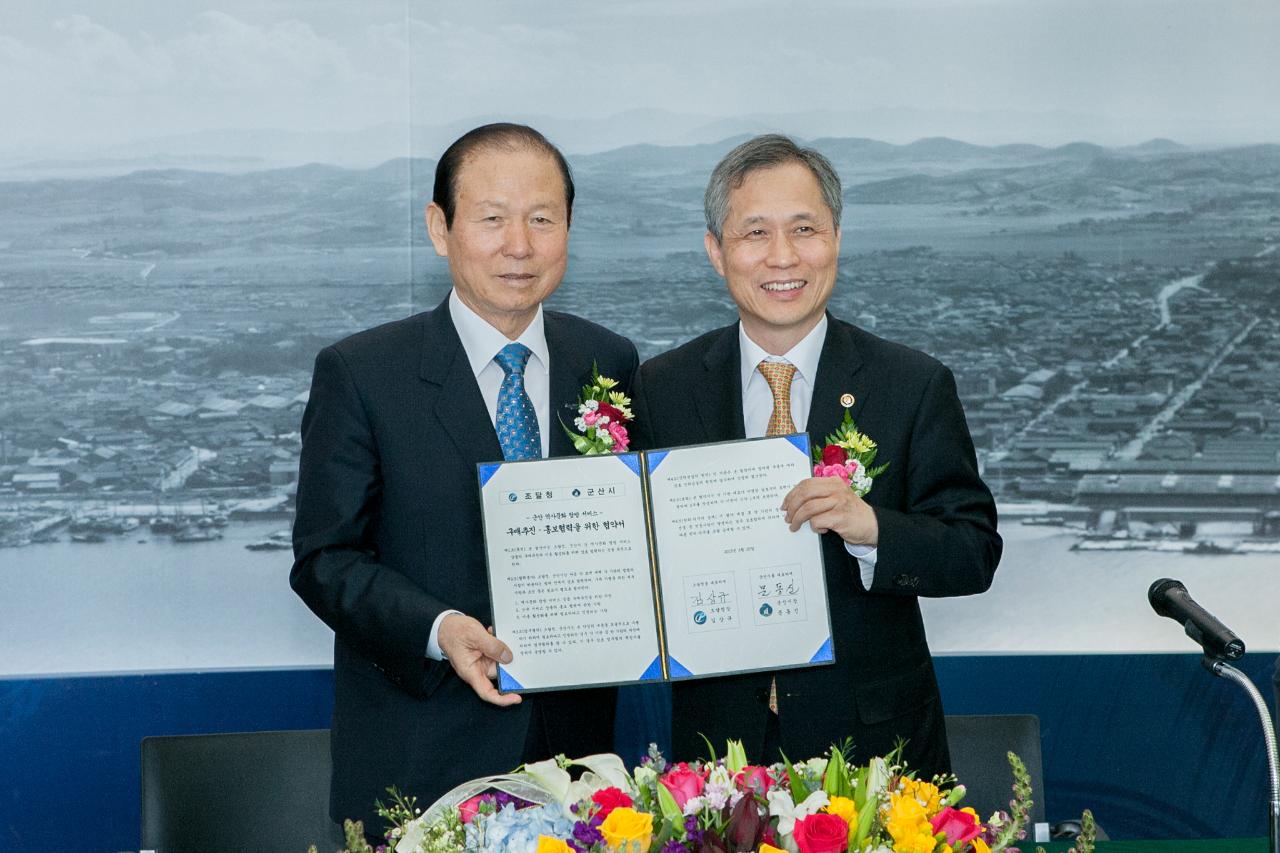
{"x": 1222, "y": 669}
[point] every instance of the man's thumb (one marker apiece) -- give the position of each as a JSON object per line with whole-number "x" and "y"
{"x": 495, "y": 649}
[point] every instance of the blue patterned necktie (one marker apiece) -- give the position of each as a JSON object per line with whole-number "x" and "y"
{"x": 517, "y": 422}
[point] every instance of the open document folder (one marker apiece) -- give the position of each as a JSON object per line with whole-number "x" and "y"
{"x": 651, "y": 566}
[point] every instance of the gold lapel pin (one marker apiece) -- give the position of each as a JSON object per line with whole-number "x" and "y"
{"x": 846, "y": 400}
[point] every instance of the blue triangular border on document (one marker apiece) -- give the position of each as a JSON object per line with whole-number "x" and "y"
{"x": 487, "y": 471}
{"x": 506, "y": 682}
{"x": 631, "y": 460}
{"x": 824, "y": 653}
{"x": 653, "y": 672}
{"x": 677, "y": 668}
{"x": 655, "y": 458}
{"x": 801, "y": 441}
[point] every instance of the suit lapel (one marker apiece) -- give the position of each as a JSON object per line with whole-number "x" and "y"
{"x": 718, "y": 397}
{"x": 839, "y": 373}
{"x": 570, "y": 372}
{"x": 458, "y": 404}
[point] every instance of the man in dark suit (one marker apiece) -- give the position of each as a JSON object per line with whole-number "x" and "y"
{"x": 928, "y": 526}
{"x": 388, "y": 540}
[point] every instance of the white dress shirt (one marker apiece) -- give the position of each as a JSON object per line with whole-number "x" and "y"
{"x": 757, "y": 404}
{"x": 481, "y": 342}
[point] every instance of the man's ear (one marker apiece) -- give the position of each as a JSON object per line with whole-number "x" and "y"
{"x": 714, "y": 253}
{"x": 437, "y": 230}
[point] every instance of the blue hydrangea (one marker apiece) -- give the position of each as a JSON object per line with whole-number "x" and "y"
{"x": 517, "y": 830}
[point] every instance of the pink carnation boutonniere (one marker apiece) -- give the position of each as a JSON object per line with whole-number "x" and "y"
{"x": 603, "y": 415}
{"x": 849, "y": 455}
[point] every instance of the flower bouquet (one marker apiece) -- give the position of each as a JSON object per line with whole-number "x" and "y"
{"x": 722, "y": 805}
{"x": 849, "y": 455}
{"x": 603, "y": 414}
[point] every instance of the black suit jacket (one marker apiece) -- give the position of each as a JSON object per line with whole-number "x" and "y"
{"x": 388, "y": 535}
{"x": 938, "y": 537}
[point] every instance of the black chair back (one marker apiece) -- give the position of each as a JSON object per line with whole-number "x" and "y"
{"x": 978, "y": 756}
{"x": 239, "y": 793}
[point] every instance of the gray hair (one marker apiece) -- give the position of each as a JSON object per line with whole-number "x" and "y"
{"x": 766, "y": 152}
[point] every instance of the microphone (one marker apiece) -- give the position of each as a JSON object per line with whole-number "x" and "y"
{"x": 1170, "y": 598}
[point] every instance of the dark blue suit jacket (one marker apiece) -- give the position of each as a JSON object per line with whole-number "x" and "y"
{"x": 388, "y": 535}
{"x": 938, "y": 537}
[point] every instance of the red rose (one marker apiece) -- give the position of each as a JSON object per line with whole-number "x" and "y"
{"x": 609, "y": 799}
{"x": 754, "y": 778}
{"x": 834, "y": 454}
{"x": 612, "y": 411}
{"x": 683, "y": 783}
{"x": 822, "y": 833}
{"x": 960, "y": 827}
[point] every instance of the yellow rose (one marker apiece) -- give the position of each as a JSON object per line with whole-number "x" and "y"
{"x": 980, "y": 846}
{"x": 626, "y": 830}
{"x": 769, "y": 848}
{"x": 547, "y": 844}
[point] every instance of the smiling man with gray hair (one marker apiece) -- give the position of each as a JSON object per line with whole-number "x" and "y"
{"x": 927, "y": 527}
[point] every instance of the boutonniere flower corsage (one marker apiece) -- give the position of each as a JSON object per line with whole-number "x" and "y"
{"x": 848, "y": 454}
{"x": 603, "y": 415}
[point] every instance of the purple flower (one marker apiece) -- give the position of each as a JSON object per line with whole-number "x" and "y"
{"x": 587, "y": 834}
{"x": 502, "y": 798}
{"x": 674, "y": 846}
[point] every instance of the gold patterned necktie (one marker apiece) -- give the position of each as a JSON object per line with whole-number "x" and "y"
{"x": 779, "y": 375}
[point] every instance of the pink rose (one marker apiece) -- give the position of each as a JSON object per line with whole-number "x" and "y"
{"x": 619, "y": 433}
{"x": 831, "y": 471}
{"x": 833, "y": 454}
{"x": 959, "y": 827}
{"x": 683, "y": 783}
{"x": 467, "y": 809}
{"x": 756, "y": 779}
{"x": 821, "y": 833}
{"x": 590, "y": 417}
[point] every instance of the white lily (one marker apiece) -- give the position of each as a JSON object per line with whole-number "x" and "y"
{"x": 720, "y": 776}
{"x": 610, "y": 768}
{"x": 603, "y": 771}
{"x": 550, "y": 777}
{"x": 877, "y": 777}
{"x": 788, "y": 813}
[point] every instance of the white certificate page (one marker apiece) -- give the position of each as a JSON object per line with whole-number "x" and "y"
{"x": 569, "y": 571}
{"x": 740, "y": 590}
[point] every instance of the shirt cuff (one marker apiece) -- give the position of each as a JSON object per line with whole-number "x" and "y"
{"x": 866, "y": 555}
{"x": 433, "y": 641}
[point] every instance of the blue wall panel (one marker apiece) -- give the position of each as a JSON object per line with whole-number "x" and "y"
{"x": 1153, "y": 744}
{"x": 69, "y": 775}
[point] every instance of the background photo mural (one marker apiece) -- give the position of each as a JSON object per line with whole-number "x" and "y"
{"x": 1078, "y": 212}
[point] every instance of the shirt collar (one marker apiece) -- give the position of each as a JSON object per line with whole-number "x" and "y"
{"x": 804, "y": 355}
{"x": 482, "y": 342}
